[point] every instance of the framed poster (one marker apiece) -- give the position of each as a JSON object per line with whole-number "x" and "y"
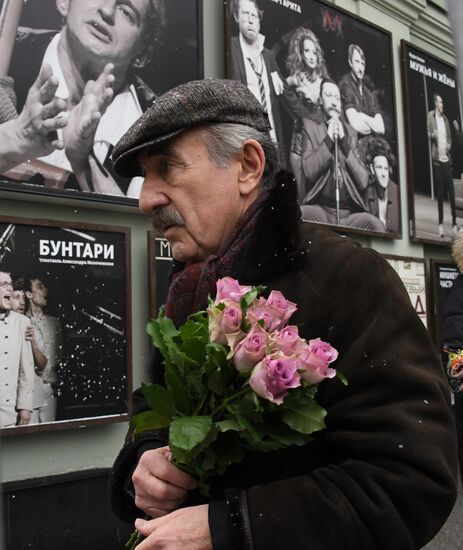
{"x": 331, "y": 106}
{"x": 65, "y": 329}
{"x": 443, "y": 274}
{"x": 434, "y": 146}
{"x": 413, "y": 275}
{"x": 150, "y": 46}
{"x": 159, "y": 265}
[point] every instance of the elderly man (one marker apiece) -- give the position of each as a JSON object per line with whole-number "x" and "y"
{"x": 16, "y": 361}
{"x": 93, "y": 58}
{"x": 335, "y": 178}
{"x": 385, "y": 467}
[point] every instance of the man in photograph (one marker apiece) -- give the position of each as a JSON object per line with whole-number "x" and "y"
{"x": 16, "y": 361}
{"x": 383, "y": 193}
{"x": 441, "y": 143}
{"x": 331, "y": 191}
{"x": 94, "y": 57}
{"x": 359, "y": 98}
{"x": 50, "y": 329}
{"x": 256, "y": 66}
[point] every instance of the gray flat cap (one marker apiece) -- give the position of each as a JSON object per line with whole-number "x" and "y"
{"x": 191, "y": 104}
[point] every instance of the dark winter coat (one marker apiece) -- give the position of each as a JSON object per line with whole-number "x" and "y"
{"x": 383, "y": 473}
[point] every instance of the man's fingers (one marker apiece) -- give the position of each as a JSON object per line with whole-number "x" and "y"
{"x": 55, "y": 123}
{"x": 53, "y": 108}
{"x": 44, "y": 75}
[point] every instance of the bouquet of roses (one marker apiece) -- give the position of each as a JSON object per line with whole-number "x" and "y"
{"x": 237, "y": 377}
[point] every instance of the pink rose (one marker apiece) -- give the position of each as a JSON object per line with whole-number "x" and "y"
{"x": 274, "y": 376}
{"x": 314, "y": 360}
{"x": 251, "y": 349}
{"x": 260, "y": 311}
{"x": 230, "y": 289}
{"x": 280, "y": 303}
{"x": 287, "y": 340}
{"x": 222, "y": 322}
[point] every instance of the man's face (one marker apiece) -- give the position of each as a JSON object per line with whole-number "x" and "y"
{"x": 380, "y": 169}
{"x": 439, "y": 104}
{"x": 111, "y": 30}
{"x": 248, "y": 20}
{"x": 192, "y": 203}
{"x": 357, "y": 63}
{"x": 18, "y": 301}
{"x": 6, "y": 290}
{"x": 331, "y": 100}
{"x": 38, "y": 293}
{"x": 309, "y": 53}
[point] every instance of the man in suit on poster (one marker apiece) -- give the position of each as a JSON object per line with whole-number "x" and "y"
{"x": 383, "y": 193}
{"x": 17, "y": 363}
{"x": 256, "y": 66}
{"x": 94, "y": 58}
{"x": 440, "y": 138}
{"x": 329, "y": 189}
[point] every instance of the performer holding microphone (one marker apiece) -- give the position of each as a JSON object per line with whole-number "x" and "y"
{"x": 335, "y": 177}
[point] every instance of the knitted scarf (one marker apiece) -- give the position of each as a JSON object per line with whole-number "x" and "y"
{"x": 191, "y": 286}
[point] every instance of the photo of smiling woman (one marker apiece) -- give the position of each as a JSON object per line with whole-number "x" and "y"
{"x": 103, "y": 62}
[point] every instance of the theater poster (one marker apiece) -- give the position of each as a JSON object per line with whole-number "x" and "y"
{"x": 326, "y": 78}
{"x": 443, "y": 275}
{"x": 95, "y": 67}
{"x": 71, "y": 284}
{"x": 413, "y": 274}
{"x": 434, "y": 146}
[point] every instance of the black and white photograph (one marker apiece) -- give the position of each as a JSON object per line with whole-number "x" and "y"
{"x": 64, "y": 324}
{"x": 413, "y": 275}
{"x": 326, "y": 79}
{"x": 443, "y": 275}
{"x": 74, "y": 76}
{"x": 159, "y": 266}
{"x": 434, "y": 146}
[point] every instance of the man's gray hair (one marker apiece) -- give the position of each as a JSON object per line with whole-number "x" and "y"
{"x": 224, "y": 141}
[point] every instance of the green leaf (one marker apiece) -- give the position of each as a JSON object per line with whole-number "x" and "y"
{"x": 188, "y": 435}
{"x": 158, "y": 398}
{"x": 179, "y": 390}
{"x": 229, "y": 424}
{"x": 161, "y": 329}
{"x": 303, "y": 414}
{"x": 148, "y": 421}
{"x": 342, "y": 378}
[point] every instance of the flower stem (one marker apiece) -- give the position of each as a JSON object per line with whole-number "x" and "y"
{"x": 135, "y": 537}
{"x": 229, "y": 399}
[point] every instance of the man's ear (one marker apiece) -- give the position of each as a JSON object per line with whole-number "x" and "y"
{"x": 28, "y": 294}
{"x": 62, "y": 6}
{"x": 371, "y": 169}
{"x": 252, "y": 167}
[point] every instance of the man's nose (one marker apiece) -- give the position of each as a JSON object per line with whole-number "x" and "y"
{"x": 151, "y": 196}
{"x": 107, "y": 11}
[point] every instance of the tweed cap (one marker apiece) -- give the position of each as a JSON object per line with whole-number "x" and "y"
{"x": 188, "y": 105}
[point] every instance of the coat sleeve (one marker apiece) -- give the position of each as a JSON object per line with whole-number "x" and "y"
{"x": 388, "y": 477}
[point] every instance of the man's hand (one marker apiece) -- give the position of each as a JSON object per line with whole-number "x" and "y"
{"x": 160, "y": 487}
{"x": 37, "y": 123}
{"x": 30, "y": 334}
{"x": 187, "y": 528}
{"x": 83, "y": 119}
{"x": 335, "y": 129}
{"x": 24, "y": 417}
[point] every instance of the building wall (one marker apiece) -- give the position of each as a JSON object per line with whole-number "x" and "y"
{"x": 63, "y": 452}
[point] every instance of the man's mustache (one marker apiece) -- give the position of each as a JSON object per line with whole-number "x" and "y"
{"x": 164, "y": 217}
